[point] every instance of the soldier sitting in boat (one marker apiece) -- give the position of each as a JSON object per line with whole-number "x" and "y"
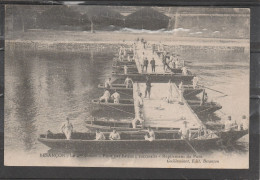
{"x": 244, "y": 123}
{"x": 100, "y": 135}
{"x": 129, "y": 58}
{"x": 177, "y": 63}
{"x": 184, "y": 71}
{"x": 184, "y": 131}
{"x": 150, "y": 136}
{"x": 114, "y": 135}
{"x": 67, "y": 128}
{"x": 230, "y": 125}
{"x": 108, "y": 84}
{"x": 105, "y": 96}
{"x": 128, "y": 82}
{"x": 116, "y": 97}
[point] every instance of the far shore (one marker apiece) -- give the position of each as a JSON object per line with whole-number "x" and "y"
{"x": 103, "y": 37}
{"x": 81, "y": 41}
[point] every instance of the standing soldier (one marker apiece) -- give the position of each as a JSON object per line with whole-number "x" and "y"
{"x": 146, "y": 64}
{"x": 148, "y": 87}
{"x": 67, "y": 128}
{"x": 125, "y": 69}
{"x": 195, "y": 81}
{"x": 181, "y": 93}
{"x": 138, "y": 110}
{"x": 153, "y": 65}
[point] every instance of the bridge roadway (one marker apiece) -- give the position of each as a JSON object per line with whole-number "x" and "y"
{"x": 142, "y": 53}
{"x": 157, "y": 112}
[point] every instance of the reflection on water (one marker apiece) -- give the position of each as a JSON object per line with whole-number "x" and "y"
{"x": 43, "y": 88}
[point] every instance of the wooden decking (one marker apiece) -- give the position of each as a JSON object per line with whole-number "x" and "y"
{"x": 157, "y": 112}
{"x": 149, "y": 54}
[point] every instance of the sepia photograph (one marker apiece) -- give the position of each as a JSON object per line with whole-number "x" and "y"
{"x": 126, "y": 86}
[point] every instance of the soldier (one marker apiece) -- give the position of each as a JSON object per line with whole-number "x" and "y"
{"x": 67, "y": 128}
{"x": 100, "y": 135}
{"x": 114, "y": 135}
{"x": 152, "y": 62}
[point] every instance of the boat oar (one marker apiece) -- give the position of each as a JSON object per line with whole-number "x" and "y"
{"x": 192, "y": 92}
{"x": 214, "y": 90}
{"x": 191, "y": 146}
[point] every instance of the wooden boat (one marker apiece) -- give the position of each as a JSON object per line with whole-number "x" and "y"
{"x": 156, "y": 77}
{"x": 121, "y": 70}
{"x": 122, "y": 66}
{"x": 188, "y": 91}
{"x": 126, "y": 105}
{"x": 119, "y": 88}
{"x": 129, "y": 141}
{"x": 119, "y": 125}
{"x": 227, "y": 136}
{"x": 92, "y": 126}
{"x": 122, "y": 63}
{"x": 206, "y": 108}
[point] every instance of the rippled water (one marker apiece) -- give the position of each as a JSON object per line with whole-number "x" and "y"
{"x": 43, "y": 88}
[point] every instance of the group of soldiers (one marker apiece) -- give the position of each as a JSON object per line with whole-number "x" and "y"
{"x": 231, "y": 125}
{"x": 145, "y": 64}
{"x": 114, "y": 135}
{"x": 171, "y": 61}
{"x": 116, "y": 96}
{"x": 184, "y": 132}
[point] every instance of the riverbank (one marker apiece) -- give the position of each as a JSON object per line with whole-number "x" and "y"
{"x": 72, "y": 40}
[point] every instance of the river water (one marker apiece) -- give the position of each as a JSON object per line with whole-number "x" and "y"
{"x": 42, "y": 88}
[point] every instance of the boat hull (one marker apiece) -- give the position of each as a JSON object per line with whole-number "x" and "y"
{"x": 127, "y": 145}
{"x": 119, "y": 88}
{"x": 110, "y": 106}
{"x": 160, "y": 78}
{"x": 229, "y": 137}
{"x": 204, "y": 109}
